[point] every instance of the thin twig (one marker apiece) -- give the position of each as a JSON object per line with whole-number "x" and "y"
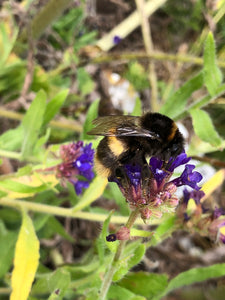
{"x": 156, "y": 55}
{"x": 65, "y": 124}
{"x": 30, "y": 71}
{"x": 211, "y": 161}
{"x": 146, "y": 33}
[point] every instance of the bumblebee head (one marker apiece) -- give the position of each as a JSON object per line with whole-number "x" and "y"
{"x": 174, "y": 147}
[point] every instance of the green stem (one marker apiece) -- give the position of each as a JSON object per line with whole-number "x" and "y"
{"x": 108, "y": 278}
{"x": 156, "y": 55}
{"x": 10, "y": 154}
{"x": 65, "y": 124}
{"x": 65, "y": 212}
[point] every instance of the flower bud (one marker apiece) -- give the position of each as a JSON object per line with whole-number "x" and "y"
{"x": 123, "y": 233}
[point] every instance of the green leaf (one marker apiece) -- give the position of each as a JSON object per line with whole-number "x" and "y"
{"x": 25, "y": 261}
{"x": 177, "y": 102}
{"x": 212, "y": 74}
{"x": 20, "y": 187}
{"x": 194, "y": 275}
{"x": 40, "y": 221}
{"x": 58, "y": 228}
{"x": 94, "y": 191}
{"x": 41, "y": 141}
{"x": 114, "y": 193}
{"x": 140, "y": 233}
{"x": 24, "y": 171}
{"x": 53, "y": 106}
{"x": 102, "y": 238}
{"x": 91, "y": 115}
{"x": 204, "y": 127}
{"x": 144, "y": 284}
{"x": 32, "y": 123}
{"x": 137, "y": 108}
{"x": 162, "y": 229}
{"x": 117, "y": 292}
{"x": 7, "y": 40}
{"x": 126, "y": 264}
{"x": 7, "y": 246}
{"x": 12, "y": 139}
{"x": 85, "y": 83}
{"x": 50, "y": 283}
{"x": 136, "y": 74}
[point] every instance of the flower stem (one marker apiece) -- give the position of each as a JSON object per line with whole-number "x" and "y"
{"x": 64, "y": 212}
{"x": 108, "y": 278}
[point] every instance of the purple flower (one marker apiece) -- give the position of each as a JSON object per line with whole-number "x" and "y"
{"x": 134, "y": 174}
{"x": 79, "y": 185}
{"x": 77, "y": 165}
{"x": 116, "y": 39}
{"x": 218, "y": 212}
{"x": 149, "y": 186}
{"x": 156, "y": 169}
{"x": 189, "y": 178}
{"x": 196, "y": 195}
{"x": 173, "y": 163}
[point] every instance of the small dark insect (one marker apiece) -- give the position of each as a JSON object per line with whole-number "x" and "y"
{"x": 128, "y": 139}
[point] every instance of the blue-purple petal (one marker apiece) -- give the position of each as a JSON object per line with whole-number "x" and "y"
{"x": 79, "y": 185}
{"x": 181, "y": 159}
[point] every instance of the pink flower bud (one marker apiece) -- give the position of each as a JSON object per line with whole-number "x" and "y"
{"x": 123, "y": 233}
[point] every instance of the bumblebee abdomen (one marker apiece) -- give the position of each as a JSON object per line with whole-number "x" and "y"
{"x": 108, "y": 151}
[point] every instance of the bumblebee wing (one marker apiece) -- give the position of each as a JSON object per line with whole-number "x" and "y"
{"x": 121, "y": 126}
{"x": 107, "y": 126}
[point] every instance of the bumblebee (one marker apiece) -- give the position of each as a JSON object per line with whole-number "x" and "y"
{"x": 129, "y": 138}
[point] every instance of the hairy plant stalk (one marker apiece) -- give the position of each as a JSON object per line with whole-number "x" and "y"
{"x": 108, "y": 278}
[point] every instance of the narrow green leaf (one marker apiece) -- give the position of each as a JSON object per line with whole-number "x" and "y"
{"x": 94, "y": 191}
{"x": 7, "y": 246}
{"x": 195, "y": 275}
{"x": 85, "y": 83}
{"x": 177, "y": 102}
{"x": 144, "y": 284}
{"x": 50, "y": 283}
{"x": 12, "y": 139}
{"x": 126, "y": 264}
{"x": 18, "y": 187}
{"x": 117, "y": 292}
{"x": 137, "y": 256}
{"x": 137, "y": 108}
{"x": 53, "y": 106}
{"x": 57, "y": 227}
{"x": 91, "y": 115}
{"x": 204, "y": 127}
{"x": 212, "y": 74}
{"x": 162, "y": 230}
{"x": 140, "y": 233}
{"x": 39, "y": 221}
{"x": 41, "y": 141}
{"x": 201, "y": 102}
{"x": 102, "y": 239}
{"x": 7, "y": 41}
{"x": 32, "y": 123}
